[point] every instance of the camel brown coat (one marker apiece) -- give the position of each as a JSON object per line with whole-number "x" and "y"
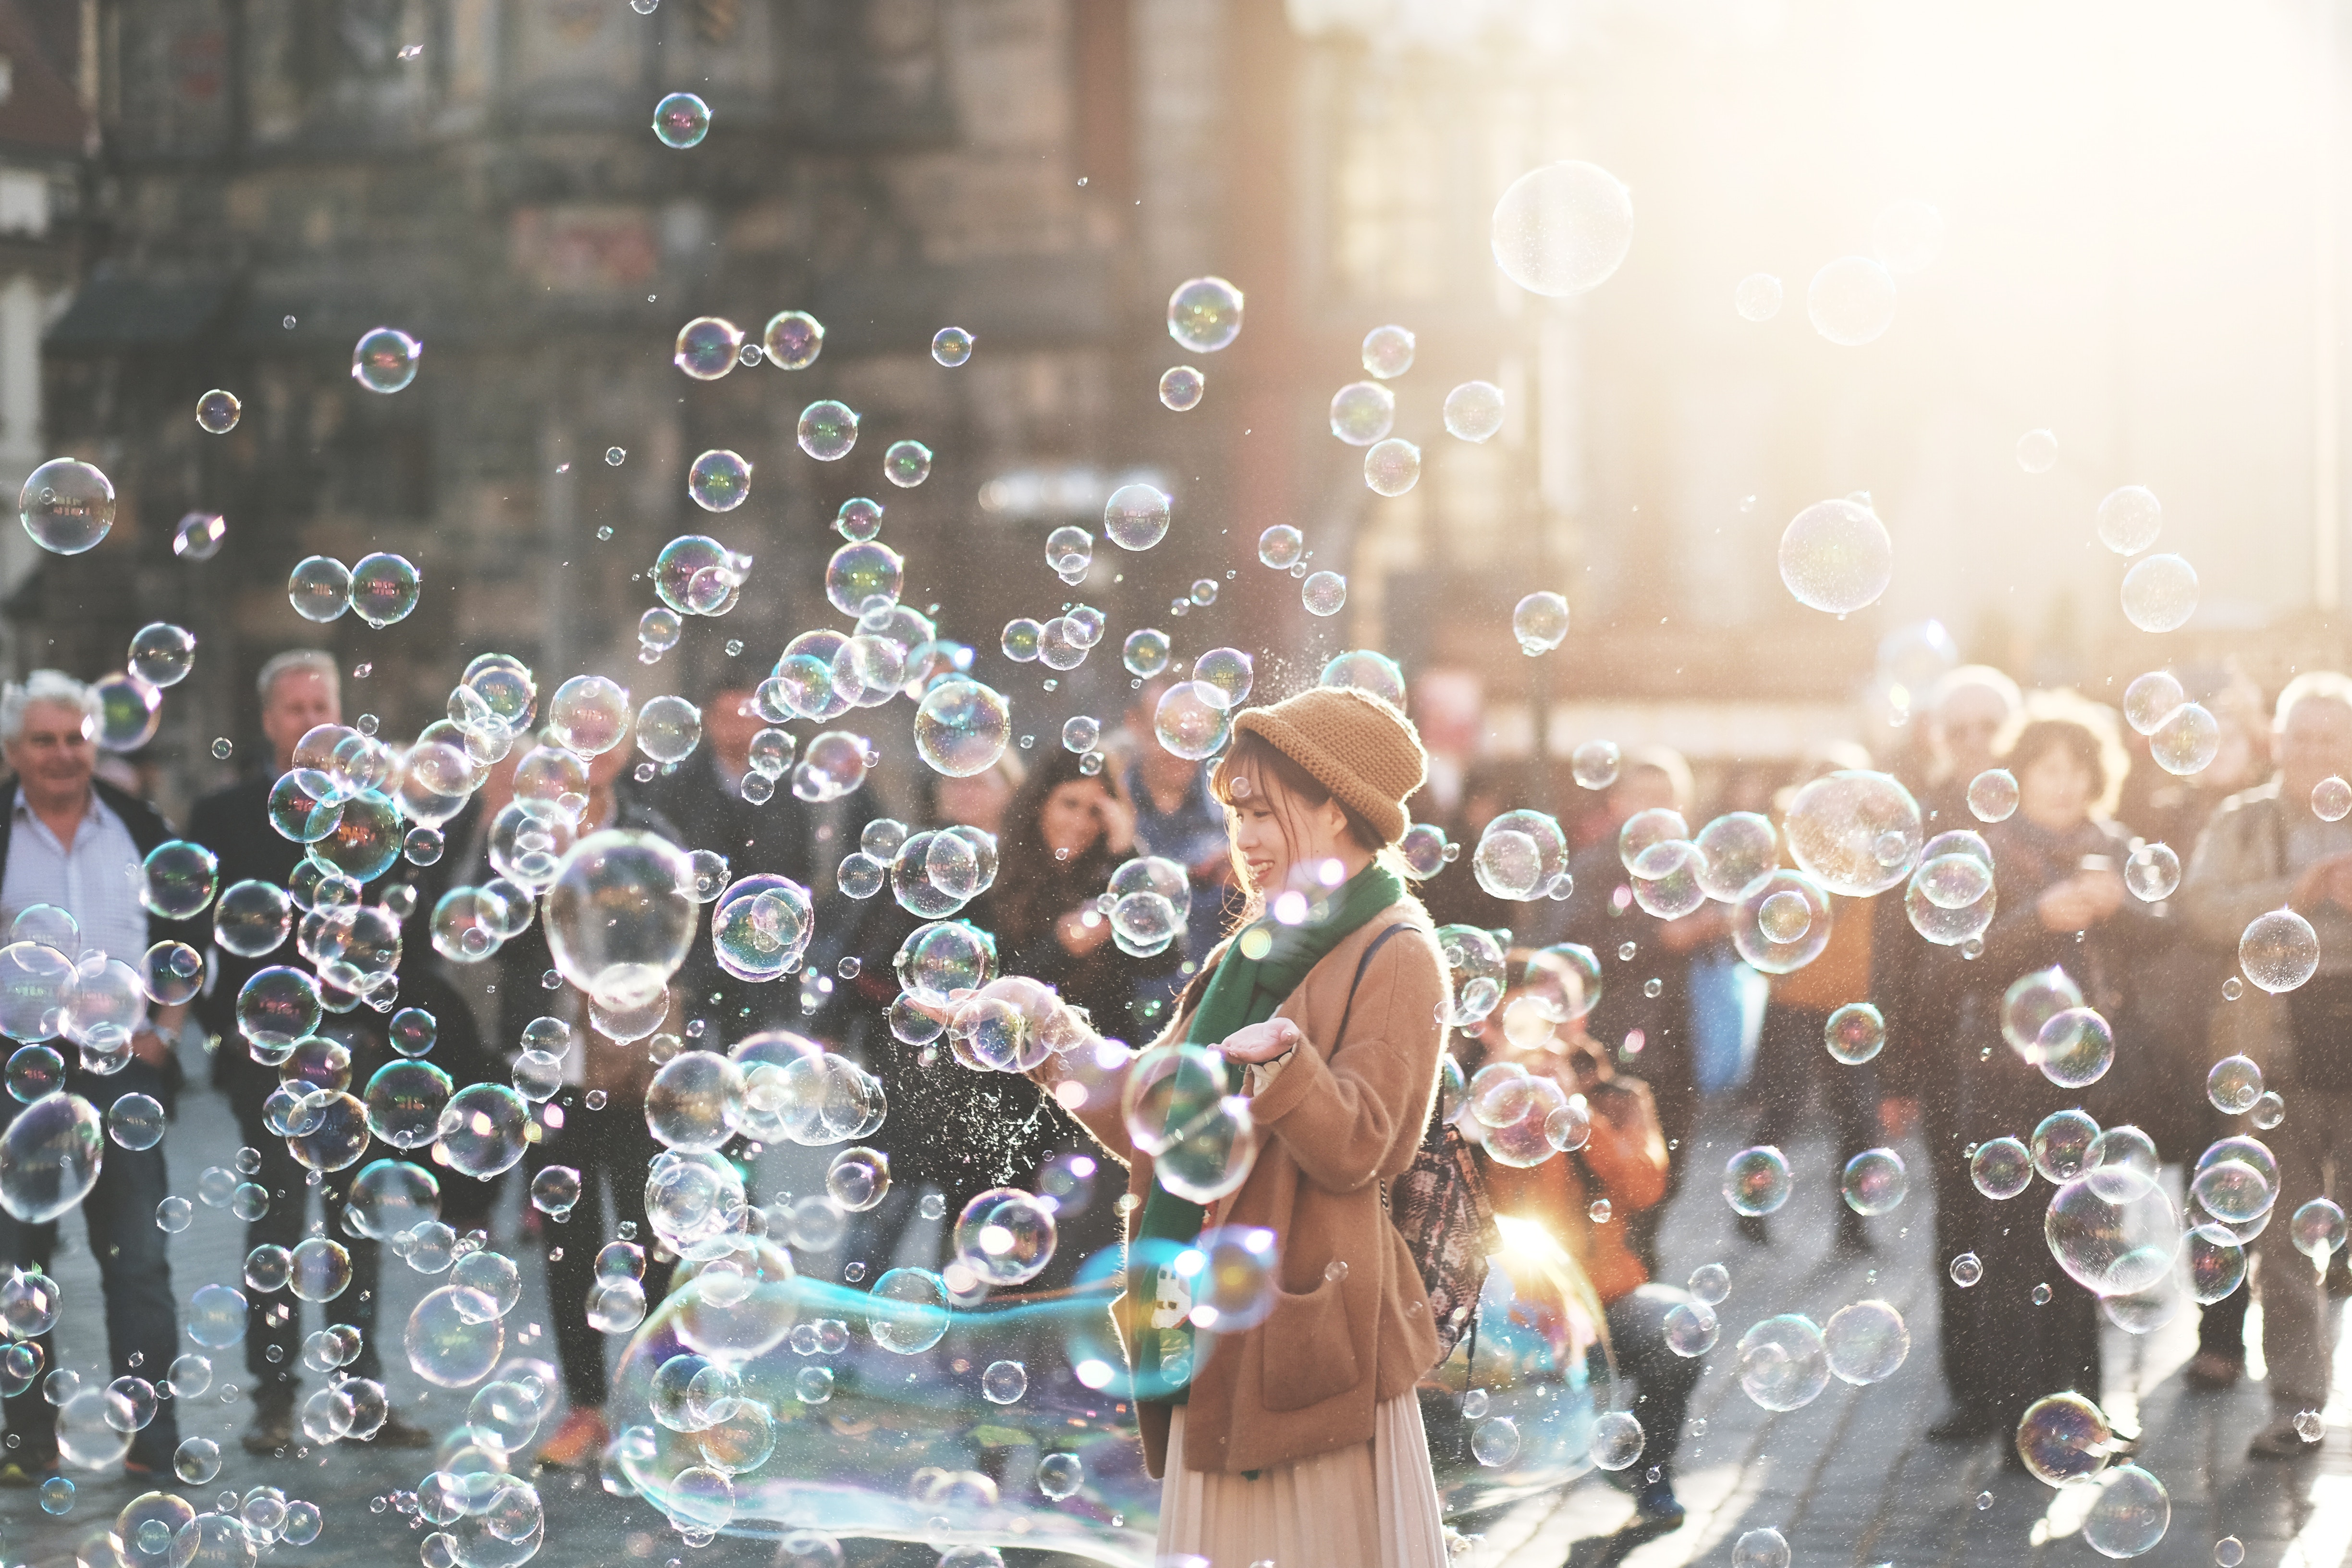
{"x": 1342, "y": 1116}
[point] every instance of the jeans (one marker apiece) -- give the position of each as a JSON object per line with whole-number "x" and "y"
{"x": 274, "y": 1322}
{"x": 613, "y": 1144}
{"x": 1663, "y": 1381}
{"x": 142, "y": 1329}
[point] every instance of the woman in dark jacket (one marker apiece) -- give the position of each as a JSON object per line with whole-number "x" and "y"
{"x": 2063, "y": 903}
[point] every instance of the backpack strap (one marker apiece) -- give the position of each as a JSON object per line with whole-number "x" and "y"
{"x": 1362, "y": 964}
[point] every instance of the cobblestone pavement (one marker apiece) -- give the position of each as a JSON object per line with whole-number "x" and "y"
{"x": 1849, "y": 1479}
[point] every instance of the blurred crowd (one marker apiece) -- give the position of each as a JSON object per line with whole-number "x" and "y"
{"x": 1678, "y": 1018}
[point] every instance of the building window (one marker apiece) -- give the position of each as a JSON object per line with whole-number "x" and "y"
{"x": 23, "y": 202}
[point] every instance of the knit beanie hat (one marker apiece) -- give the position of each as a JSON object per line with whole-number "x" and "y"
{"x": 1360, "y": 748}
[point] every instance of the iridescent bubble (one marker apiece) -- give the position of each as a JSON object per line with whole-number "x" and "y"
{"x": 319, "y": 588}
{"x": 1323, "y": 592}
{"x": 1474, "y": 411}
{"x": 1967, "y": 1270}
{"x": 1757, "y": 1181}
{"x": 2278, "y": 950}
{"x": 2159, "y": 593}
{"x": 2152, "y": 872}
{"x": 708, "y": 347}
{"x": 1180, "y": 387}
{"x": 67, "y": 506}
{"x": 907, "y": 463}
{"x": 1367, "y": 669}
{"x": 681, "y": 121}
{"x": 2074, "y": 1048}
{"x": 588, "y": 714}
{"x": 962, "y": 728}
{"x": 217, "y": 411}
{"x": 2131, "y": 1515}
{"x": 1391, "y": 467}
{"x": 1190, "y": 723}
{"x": 1783, "y": 1363}
{"x": 2061, "y": 1144}
{"x": 1867, "y": 1342}
{"x": 1757, "y": 297}
{"x": 950, "y": 346}
{"x": 907, "y": 1310}
{"x": 2187, "y": 741}
{"x": 1204, "y": 314}
{"x": 792, "y": 339}
{"x": 161, "y": 653}
{"x": 454, "y": 1337}
{"x": 1540, "y": 622}
{"x": 1782, "y": 923}
{"x": 858, "y": 575}
{"x": 2129, "y": 520}
{"x": 1562, "y": 229}
{"x": 2037, "y": 451}
{"x": 1362, "y": 412}
{"x": 1992, "y": 795}
{"x": 198, "y": 535}
{"x": 2150, "y": 699}
{"x": 620, "y": 915}
{"x": 2063, "y": 1437}
{"x": 1145, "y": 653}
{"x": 1836, "y": 557}
{"x": 1690, "y": 1329}
{"x": 1136, "y": 516}
{"x": 1851, "y": 302}
{"x": 718, "y": 480}
{"x": 384, "y": 360}
{"x": 2233, "y": 1084}
{"x": 2317, "y": 1230}
{"x": 1855, "y": 1033}
{"x": 2111, "y": 1239}
{"x": 1594, "y": 763}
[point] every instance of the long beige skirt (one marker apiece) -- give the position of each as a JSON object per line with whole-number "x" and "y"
{"x": 1371, "y": 1506}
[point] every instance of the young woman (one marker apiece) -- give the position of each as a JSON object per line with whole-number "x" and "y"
{"x": 1065, "y": 833}
{"x": 1299, "y": 1440}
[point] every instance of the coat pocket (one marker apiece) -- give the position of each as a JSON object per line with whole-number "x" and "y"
{"x": 1306, "y": 1354}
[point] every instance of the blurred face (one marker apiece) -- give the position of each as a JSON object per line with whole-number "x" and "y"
{"x": 2315, "y": 744}
{"x": 975, "y": 802}
{"x": 300, "y": 701}
{"x": 1070, "y": 819}
{"x": 53, "y": 758}
{"x": 1638, "y": 790}
{"x": 1276, "y": 836}
{"x": 2055, "y": 790}
{"x": 1965, "y": 727}
{"x": 729, "y": 724}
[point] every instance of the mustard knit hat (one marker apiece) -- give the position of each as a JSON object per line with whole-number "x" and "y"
{"x": 1360, "y": 749}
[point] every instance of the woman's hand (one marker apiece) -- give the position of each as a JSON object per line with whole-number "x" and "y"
{"x": 1118, "y": 816}
{"x": 1262, "y": 1042}
{"x": 1082, "y": 931}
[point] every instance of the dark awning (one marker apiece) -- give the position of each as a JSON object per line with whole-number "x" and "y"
{"x": 111, "y": 315}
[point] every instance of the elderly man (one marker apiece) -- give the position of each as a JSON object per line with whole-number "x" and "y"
{"x": 2268, "y": 847}
{"x": 300, "y": 691}
{"x": 75, "y": 844}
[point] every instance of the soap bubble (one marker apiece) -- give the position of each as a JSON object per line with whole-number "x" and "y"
{"x": 1836, "y": 557}
{"x": 950, "y": 346}
{"x": 2129, "y": 520}
{"x": 2001, "y": 1167}
{"x": 1595, "y": 765}
{"x": 2331, "y": 799}
{"x": 1281, "y": 546}
{"x": 2317, "y": 1230}
{"x": 1617, "y": 1440}
{"x": 1967, "y": 1270}
{"x": 484, "y": 1129}
{"x": 792, "y": 339}
{"x": 1390, "y": 468}
{"x": 708, "y": 347}
{"x": 1362, "y": 412}
{"x": 907, "y": 1312}
{"x": 50, "y": 1157}
{"x": 1782, "y": 923}
{"x": 161, "y": 653}
{"x": 1873, "y": 1182}
{"x": 1540, "y": 622}
{"x": 215, "y": 1317}
{"x": 1841, "y": 827}
{"x": 859, "y": 575}
{"x": 1783, "y": 1363}
{"x": 2150, "y": 699}
{"x": 1190, "y": 723}
{"x": 1004, "y": 1236}
{"x": 1367, "y": 669}
{"x": 2187, "y": 741}
{"x": 1692, "y": 1329}
{"x": 1757, "y": 297}
{"x": 1757, "y": 1181}
{"x": 1992, "y": 795}
{"x": 2131, "y": 1515}
{"x": 2074, "y": 1048}
{"x": 1136, "y": 516}
{"x": 2063, "y": 1437}
{"x": 2152, "y": 872}
{"x": 962, "y": 728}
{"x": 177, "y": 878}
{"x": 620, "y": 915}
{"x": 681, "y": 121}
{"x": 1474, "y": 411}
{"x": 2278, "y": 950}
{"x": 1855, "y": 1033}
{"x": 1851, "y": 302}
{"x": 1865, "y": 1342}
{"x": 718, "y": 480}
{"x": 198, "y": 535}
{"x": 384, "y": 360}
{"x": 2159, "y": 593}
{"x": 454, "y": 1337}
{"x": 2112, "y": 1246}
{"x": 217, "y": 411}
{"x": 1562, "y": 229}
{"x": 1496, "y": 1441}
{"x": 2234, "y": 1085}
{"x": 2061, "y": 1144}
{"x": 1180, "y": 387}
{"x": 67, "y": 506}
{"x": 319, "y": 588}
{"x": 1323, "y": 592}
{"x": 907, "y": 463}
{"x": 2037, "y": 451}
{"x": 1204, "y": 314}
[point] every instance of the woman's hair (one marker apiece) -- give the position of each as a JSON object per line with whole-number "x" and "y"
{"x": 2061, "y": 720}
{"x": 1258, "y": 767}
{"x": 1034, "y": 890}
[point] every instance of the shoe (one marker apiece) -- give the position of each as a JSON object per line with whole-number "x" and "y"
{"x": 397, "y": 1433}
{"x": 578, "y": 1443}
{"x": 2279, "y": 1440}
{"x": 1960, "y": 1424}
{"x": 1751, "y": 1230}
{"x": 2210, "y": 1372}
{"x": 272, "y": 1430}
{"x": 1657, "y": 1508}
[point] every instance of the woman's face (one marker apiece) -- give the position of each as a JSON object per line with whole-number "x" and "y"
{"x": 2055, "y": 790}
{"x": 975, "y": 802}
{"x": 1274, "y": 834}
{"x": 1071, "y": 817}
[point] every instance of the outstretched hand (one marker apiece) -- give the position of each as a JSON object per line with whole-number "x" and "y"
{"x": 1262, "y": 1042}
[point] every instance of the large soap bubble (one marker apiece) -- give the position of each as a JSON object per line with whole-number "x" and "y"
{"x": 67, "y": 506}
{"x": 621, "y": 915}
{"x": 962, "y": 728}
{"x": 1563, "y": 229}
{"x": 1855, "y": 832}
{"x": 1783, "y": 1362}
{"x": 50, "y": 1156}
{"x": 2279, "y": 950}
{"x": 1836, "y": 555}
{"x": 1851, "y": 302}
{"x": 2111, "y": 1245}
